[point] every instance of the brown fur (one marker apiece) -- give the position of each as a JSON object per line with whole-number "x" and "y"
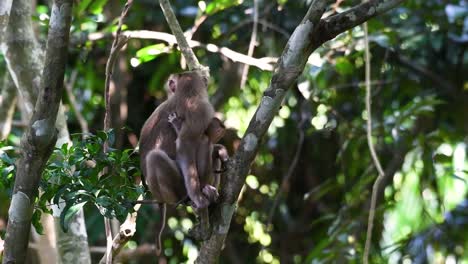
{"x": 177, "y": 164}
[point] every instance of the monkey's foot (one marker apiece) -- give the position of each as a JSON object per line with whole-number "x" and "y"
{"x": 199, "y": 233}
{"x": 211, "y": 193}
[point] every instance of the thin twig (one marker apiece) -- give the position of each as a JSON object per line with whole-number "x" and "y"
{"x": 74, "y": 104}
{"x": 292, "y": 167}
{"x": 119, "y": 41}
{"x": 253, "y": 41}
{"x": 374, "y": 156}
{"x": 187, "y": 52}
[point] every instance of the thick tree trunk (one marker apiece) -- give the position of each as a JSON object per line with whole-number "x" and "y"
{"x": 25, "y": 63}
{"x": 39, "y": 139}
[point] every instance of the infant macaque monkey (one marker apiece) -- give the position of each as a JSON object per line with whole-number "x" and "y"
{"x": 213, "y": 134}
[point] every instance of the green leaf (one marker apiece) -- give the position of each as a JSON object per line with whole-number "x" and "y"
{"x": 343, "y": 66}
{"x": 219, "y": 5}
{"x": 36, "y": 222}
{"x": 59, "y": 194}
{"x": 149, "y": 53}
{"x": 83, "y": 4}
{"x": 67, "y": 214}
{"x": 97, "y": 6}
{"x": 5, "y": 158}
{"x": 102, "y": 135}
{"x": 441, "y": 158}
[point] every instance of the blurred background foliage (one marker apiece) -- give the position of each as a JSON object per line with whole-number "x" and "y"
{"x": 309, "y": 209}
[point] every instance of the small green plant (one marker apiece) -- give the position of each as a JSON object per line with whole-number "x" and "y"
{"x": 81, "y": 173}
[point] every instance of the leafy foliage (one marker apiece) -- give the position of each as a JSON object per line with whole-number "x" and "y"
{"x": 81, "y": 173}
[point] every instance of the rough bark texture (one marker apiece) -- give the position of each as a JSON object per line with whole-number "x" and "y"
{"x": 22, "y": 53}
{"x": 25, "y": 62}
{"x": 308, "y": 36}
{"x": 5, "y": 8}
{"x": 39, "y": 139}
{"x": 7, "y": 105}
{"x": 70, "y": 247}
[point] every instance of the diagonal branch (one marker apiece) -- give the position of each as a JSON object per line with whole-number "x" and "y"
{"x": 309, "y": 35}
{"x": 187, "y": 52}
{"x": 357, "y": 15}
{"x": 290, "y": 66}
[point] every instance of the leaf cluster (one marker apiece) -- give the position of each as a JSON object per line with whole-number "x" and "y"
{"x": 81, "y": 173}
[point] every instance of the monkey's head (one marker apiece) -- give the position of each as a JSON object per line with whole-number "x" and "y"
{"x": 187, "y": 83}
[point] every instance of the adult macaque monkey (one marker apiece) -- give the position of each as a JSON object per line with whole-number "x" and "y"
{"x": 177, "y": 165}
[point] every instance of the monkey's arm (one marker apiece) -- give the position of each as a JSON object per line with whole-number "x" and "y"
{"x": 175, "y": 121}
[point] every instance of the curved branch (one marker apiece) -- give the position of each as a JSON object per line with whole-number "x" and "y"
{"x": 261, "y": 63}
{"x": 357, "y": 15}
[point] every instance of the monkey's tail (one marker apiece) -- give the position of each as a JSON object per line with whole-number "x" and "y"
{"x": 162, "y": 207}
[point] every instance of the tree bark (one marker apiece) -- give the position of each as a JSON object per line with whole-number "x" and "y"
{"x": 25, "y": 62}
{"x": 38, "y": 141}
{"x": 7, "y": 106}
{"x": 5, "y": 9}
{"x": 308, "y": 36}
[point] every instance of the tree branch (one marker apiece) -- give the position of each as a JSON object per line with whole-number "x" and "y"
{"x": 261, "y": 63}
{"x": 74, "y": 104}
{"x": 309, "y": 35}
{"x": 187, "y": 52}
{"x": 119, "y": 41}
{"x": 357, "y": 15}
{"x": 290, "y": 66}
{"x": 38, "y": 142}
{"x": 375, "y": 159}
{"x": 7, "y": 106}
{"x": 253, "y": 41}
{"x": 5, "y": 9}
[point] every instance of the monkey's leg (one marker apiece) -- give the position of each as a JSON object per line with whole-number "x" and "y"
{"x": 186, "y": 153}
{"x": 163, "y": 177}
{"x": 205, "y": 169}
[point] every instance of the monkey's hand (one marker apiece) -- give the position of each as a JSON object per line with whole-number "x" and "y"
{"x": 175, "y": 121}
{"x": 200, "y": 201}
{"x": 211, "y": 193}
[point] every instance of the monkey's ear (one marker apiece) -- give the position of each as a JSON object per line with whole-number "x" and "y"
{"x": 172, "y": 85}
